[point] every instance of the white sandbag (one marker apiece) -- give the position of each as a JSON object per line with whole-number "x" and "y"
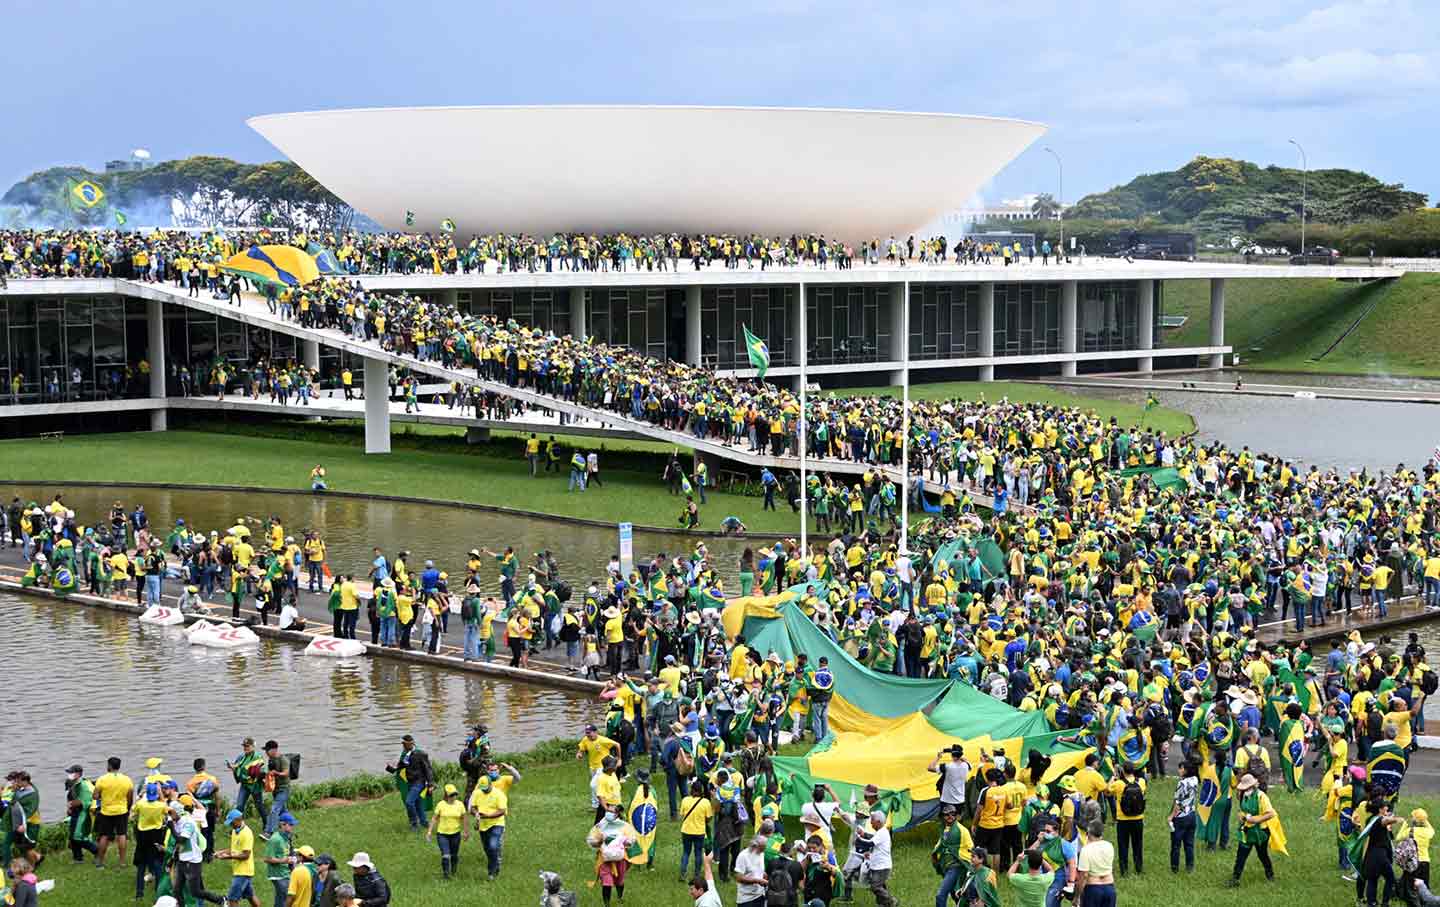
{"x": 162, "y": 615}
{"x": 219, "y": 636}
{"x": 330, "y": 647}
{"x": 201, "y": 626}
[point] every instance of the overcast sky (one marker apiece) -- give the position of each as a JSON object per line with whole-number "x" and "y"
{"x": 1124, "y": 90}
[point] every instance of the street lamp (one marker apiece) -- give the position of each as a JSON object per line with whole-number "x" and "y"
{"x": 1304, "y": 172}
{"x": 1060, "y": 202}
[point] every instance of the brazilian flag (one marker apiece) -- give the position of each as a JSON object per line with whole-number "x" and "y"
{"x": 86, "y": 194}
{"x": 1210, "y": 797}
{"x": 645, "y": 819}
{"x": 759, "y": 353}
{"x": 447, "y": 225}
{"x": 409, "y": 218}
{"x": 120, "y": 219}
{"x": 1292, "y": 753}
{"x": 63, "y": 582}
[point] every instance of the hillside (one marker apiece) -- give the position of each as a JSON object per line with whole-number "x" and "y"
{"x": 1222, "y": 197}
{"x": 1290, "y": 324}
{"x": 194, "y": 192}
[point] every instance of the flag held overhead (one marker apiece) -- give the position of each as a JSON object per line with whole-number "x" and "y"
{"x": 759, "y": 353}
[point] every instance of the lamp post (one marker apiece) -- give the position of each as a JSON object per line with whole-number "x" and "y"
{"x": 1304, "y": 173}
{"x": 1060, "y": 202}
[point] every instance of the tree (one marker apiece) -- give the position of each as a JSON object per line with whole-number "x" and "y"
{"x": 1045, "y": 207}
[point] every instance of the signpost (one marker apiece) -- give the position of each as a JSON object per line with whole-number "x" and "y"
{"x": 627, "y": 548}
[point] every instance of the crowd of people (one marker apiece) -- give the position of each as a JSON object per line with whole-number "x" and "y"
{"x": 1121, "y": 587}
{"x": 193, "y": 258}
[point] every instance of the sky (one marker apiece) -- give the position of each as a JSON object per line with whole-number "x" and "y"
{"x": 1125, "y": 88}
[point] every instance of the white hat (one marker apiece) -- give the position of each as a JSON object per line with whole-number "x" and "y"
{"x": 361, "y": 858}
{"x": 165, "y": 900}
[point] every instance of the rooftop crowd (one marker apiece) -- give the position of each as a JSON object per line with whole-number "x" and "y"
{"x": 159, "y": 254}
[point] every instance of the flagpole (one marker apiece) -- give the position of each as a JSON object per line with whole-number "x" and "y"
{"x": 800, "y": 427}
{"x": 905, "y": 422}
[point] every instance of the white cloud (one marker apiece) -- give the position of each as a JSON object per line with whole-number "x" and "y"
{"x": 1331, "y": 78}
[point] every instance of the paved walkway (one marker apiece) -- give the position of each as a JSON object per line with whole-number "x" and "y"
{"x": 1199, "y": 383}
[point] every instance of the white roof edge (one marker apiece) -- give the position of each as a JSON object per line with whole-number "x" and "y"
{"x": 251, "y": 121}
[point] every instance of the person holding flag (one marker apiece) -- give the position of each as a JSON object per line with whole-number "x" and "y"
{"x": 1260, "y": 829}
{"x": 644, "y": 818}
{"x": 1292, "y": 747}
{"x": 758, "y": 352}
{"x": 1212, "y": 802}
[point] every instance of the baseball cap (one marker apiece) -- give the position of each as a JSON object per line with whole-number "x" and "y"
{"x": 234, "y": 814}
{"x": 306, "y": 851}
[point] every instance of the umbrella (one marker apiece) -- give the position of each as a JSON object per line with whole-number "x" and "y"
{"x": 278, "y": 266}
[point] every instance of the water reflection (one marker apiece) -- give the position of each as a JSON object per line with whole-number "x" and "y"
{"x": 352, "y": 527}
{"x": 105, "y": 685}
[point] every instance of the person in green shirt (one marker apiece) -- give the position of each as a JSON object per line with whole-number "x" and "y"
{"x": 79, "y": 794}
{"x": 277, "y": 857}
{"x": 951, "y": 854}
{"x": 1030, "y": 886}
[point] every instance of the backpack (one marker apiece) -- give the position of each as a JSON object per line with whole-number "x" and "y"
{"x": 1407, "y": 854}
{"x": 563, "y": 591}
{"x": 294, "y": 770}
{"x": 1429, "y": 682}
{"x": 1256, "y": 766}
{"x": 684, "y": 762}
{"x": 1132, "y": 799}
{"x": 780, "y": 886}
{"x": 1374, "y": 722}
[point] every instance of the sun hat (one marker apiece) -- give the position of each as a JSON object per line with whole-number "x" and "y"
{"x": 361, "y": 858}
{"x": 1247, "y": 782}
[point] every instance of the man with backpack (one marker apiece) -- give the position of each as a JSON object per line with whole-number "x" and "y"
{"x": 1253, "y": 758}
{"x": 1129, "y": 793}
{"x": 784, "y": 877}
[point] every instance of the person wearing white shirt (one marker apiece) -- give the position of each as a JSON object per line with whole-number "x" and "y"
{"x": 750, "y": 879}
{"x": 704, "y": 891}
{"x": 878, "y": 863}
{"x": 190, "y": 853}
{"x": 290, "y": 618}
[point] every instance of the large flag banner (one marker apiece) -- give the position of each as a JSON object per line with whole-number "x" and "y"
{"x": 759, "y": 353}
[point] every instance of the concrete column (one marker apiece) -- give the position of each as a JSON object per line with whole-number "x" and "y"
{"x": 377, "y": 407}
{"x": 1217, "y": 319}
{"x": 987, "y": 328}
{"x": 899, "y": 343}
{"x": 579, "y": 318}
{"x": 692, "y": 325}
{"x": 1069, "y": 292}
{"x": 311, "y": 352}
{"x": 155, "y": 323}
{"x": 1146, "y": 322}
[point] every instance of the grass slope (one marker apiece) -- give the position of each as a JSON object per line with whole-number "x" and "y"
{"x": 1284, "y": 324}
{"x": 550, "y": 815}
{"x": 197, "y": 458}
{"x": 1169, "y": 420}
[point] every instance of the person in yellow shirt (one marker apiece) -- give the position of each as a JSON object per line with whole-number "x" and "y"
{"x": 448, "y": 823}
{"x": 114, "y": 795}
{"x": 696, "y": 811}
{"x": 314, "y": 558}
{"x": 594, "y": 747}
{"x": 1129, "y": 825}
{"x": 489, "y": 804}
{"x": 242, "y": 853}
{"x": 989, "y": 830}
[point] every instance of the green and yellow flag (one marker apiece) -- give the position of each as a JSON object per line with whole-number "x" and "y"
{"x": 1151, "y": 401}
{"x": 120, "y": 218}
{"x": 409, "y": 218}
{"x": 86, "y": 194}
{"x": 447, "y": 225}
{"x": 758, "y": 351}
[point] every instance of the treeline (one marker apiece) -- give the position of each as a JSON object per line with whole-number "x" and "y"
{"x": 195, "y": 192}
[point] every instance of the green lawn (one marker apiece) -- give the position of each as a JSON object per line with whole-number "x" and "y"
{"x": 550, "y": 815}
{"x": 1287, "y": 324}
{"x": 1169, "y": 420}
{"x": 483, "y": 477}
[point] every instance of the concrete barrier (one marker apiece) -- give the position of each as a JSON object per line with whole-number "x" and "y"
{"x": 162, "y": 616}
{"x": 330, "y": 647}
